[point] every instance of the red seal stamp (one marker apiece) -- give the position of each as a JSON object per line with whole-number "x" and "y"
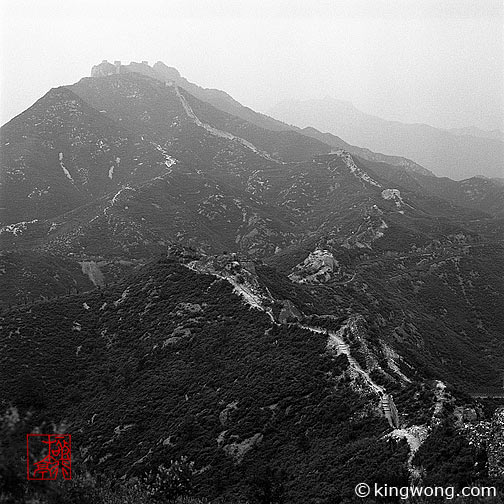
{"x": 47, "y": 454}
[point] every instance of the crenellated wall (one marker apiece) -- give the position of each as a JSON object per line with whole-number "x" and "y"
{"x": 390, "y": 410}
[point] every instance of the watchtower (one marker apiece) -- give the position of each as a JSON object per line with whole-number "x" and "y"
{"x": 117, "y": 65}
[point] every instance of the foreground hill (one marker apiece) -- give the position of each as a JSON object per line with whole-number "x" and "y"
{"x": 247, "y": 398}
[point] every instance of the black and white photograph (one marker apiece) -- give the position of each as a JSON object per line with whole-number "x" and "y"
{"x": 251, "y": 251}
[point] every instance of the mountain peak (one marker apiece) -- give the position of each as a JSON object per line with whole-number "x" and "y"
{"x": 105, "y": 68}
{"x": 166, "y": 71}
{"x": 159, "y": 71}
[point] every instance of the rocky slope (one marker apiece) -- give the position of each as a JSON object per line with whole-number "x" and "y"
{"x": 208, "y": 373}
{"x": 62, "y": 153}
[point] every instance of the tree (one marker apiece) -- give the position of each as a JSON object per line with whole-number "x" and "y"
{"x": 168, "y": 483}
{"x": 266, "y": 486}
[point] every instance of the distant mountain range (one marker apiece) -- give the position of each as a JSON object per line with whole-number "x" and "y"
{"x": 457, "y": 154}
{"x": 477, "y": 132}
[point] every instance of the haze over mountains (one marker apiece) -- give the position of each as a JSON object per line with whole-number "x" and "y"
{"x": 126, "y": 162}
{"x": 456, "y": 154}
{"x": 262, "y": 305}
{"x": 494, "y": 134}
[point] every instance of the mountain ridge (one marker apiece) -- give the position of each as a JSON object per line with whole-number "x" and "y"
{"x": 496, "y": 207}
{"x": 219, "y": 99}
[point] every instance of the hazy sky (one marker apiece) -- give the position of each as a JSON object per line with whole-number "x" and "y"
{"x": 434, "y": 61}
